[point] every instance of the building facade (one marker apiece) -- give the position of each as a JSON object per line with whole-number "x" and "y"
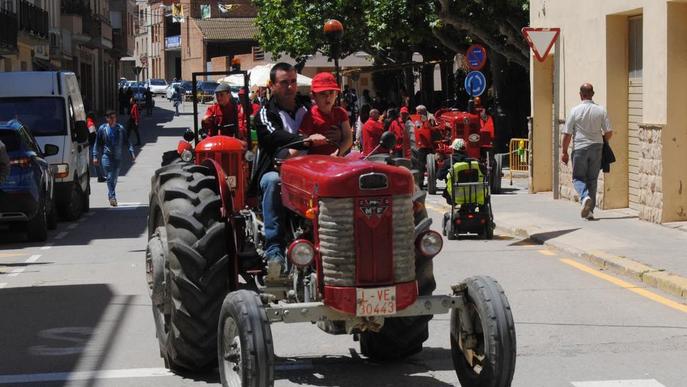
{"x": 634, "y": 52}
{"x": 87, "y": 37}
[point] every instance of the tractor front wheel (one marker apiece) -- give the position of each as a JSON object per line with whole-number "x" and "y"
{"x": 483, "y": 336}
{"x": 244, "y": 342}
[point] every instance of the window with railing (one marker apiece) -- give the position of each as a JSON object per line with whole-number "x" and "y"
{"x": 33, "y": 19}
{"x": 8, "y": 30}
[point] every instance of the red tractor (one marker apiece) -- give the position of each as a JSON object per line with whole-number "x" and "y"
{"x": 360, "y": 251}
{"x": 477, "y": 131}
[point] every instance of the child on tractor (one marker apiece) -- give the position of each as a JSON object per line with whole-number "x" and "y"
{"x": 327, "y": 119}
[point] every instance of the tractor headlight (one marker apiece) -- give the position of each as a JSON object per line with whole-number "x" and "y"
{"x": 187, "y": 155}
{"x": 301, "y": 252}
{"x": 429, "y": 243}
{"x": 474, "y": 137}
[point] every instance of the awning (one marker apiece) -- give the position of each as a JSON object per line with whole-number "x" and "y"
{"x": 227, "y": 29}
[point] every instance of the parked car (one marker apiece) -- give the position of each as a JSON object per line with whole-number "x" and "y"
{"x": 206, "y": 90}
{"x": 188, "y": 89}
{"x": 26, "y": 196}
{"x": 49, "y": 105}
{"x": 139, "y": 94}
{"x": 157, "y": 86}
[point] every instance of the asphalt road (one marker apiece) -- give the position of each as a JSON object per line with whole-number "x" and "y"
{"x": 75, "y": 310}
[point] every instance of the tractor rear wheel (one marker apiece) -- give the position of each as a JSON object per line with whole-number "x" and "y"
{"x": 431, "y": 174}
{"x": 188, "y": 245}
{"x": 401, "y": 337}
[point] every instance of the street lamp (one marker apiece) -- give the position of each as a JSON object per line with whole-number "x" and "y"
{"x": 333, "y": 31}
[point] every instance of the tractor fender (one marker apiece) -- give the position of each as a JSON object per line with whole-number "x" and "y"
{"x": 225, "y": 195}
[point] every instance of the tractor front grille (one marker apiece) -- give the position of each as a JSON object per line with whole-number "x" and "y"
{"x": 338, "y": 245}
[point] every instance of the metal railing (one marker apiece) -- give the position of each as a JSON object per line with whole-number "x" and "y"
{"x": 33, "y": 19}
{"x": 8, "y": 30}
{"x": 518, "y": 156}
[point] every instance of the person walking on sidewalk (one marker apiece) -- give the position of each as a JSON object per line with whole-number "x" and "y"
{"x": 134, "y": 120}
{"x": 587, "y": 126}
{"x": 110, "y": 141}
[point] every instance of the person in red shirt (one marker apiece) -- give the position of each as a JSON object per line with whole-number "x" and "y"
{"x": 134, "y": 119}
{"x": 397, "y": 127}
{"x": 253, "y": 109}
{"x": 371, "y": 134}
{"x": 221, "y": 113}
{"x": 326, "y": 119}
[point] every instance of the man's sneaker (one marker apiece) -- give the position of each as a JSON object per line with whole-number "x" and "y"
{"x": 586, "y": 207}
{"x": 590, "y": 216}
{"x": 113, "y": 202}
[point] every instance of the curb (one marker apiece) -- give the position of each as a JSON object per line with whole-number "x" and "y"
{"x": 658, "y": 278}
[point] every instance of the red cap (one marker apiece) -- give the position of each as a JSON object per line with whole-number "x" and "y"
{"x": 404, "y": 109}
{"x": 323, "y": 82}
{"x": 242, "y": 91}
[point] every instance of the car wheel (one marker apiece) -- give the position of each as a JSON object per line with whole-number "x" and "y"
{"x": 37, "y": 227}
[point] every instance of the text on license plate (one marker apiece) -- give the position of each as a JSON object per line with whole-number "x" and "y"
{"x": 375, "y": 301}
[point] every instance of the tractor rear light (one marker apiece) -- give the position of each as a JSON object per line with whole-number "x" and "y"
{"x": 301, "y": 252}
{"x": 22, "y": 162}
{"x": 429, "y": 243}
{"x": 61, "y": 170}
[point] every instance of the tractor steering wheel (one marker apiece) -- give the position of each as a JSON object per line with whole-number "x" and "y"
{"x": 278, "y": 160}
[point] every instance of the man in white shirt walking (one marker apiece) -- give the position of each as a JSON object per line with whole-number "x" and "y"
{"x": 587, "y": 126}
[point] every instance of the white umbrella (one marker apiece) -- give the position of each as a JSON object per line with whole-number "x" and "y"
{"x": 260, "y": 77}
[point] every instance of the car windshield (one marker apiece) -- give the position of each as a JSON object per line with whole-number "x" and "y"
{"x": 187, "y": 85}
{"x": 209, "y": 87}
{"x": 10, "y": 139}
{"x": 42, "y": 116}
{"x": 158, "y": 82}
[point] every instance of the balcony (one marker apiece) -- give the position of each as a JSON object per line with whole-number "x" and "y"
{"x": 76, "y": 7}
{"x": 8, "y": 32}
{"x": 33, "y": 22}
{"x": 74, "y": 24}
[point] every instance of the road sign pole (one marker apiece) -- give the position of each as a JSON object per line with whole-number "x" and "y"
{"x": 556, "y": 126}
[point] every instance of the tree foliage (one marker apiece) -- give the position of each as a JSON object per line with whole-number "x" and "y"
{"x": 494, "y": 23}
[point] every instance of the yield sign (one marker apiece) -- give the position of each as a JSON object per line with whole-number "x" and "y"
{"x": 541, "y": 40}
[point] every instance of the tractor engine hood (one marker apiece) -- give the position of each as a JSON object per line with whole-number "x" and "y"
{"x": 337, "y": 177}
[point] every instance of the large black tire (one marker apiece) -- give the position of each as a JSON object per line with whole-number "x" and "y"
{"x": 401, "y": 337}
{"x": 245, "y": 348}
{"x": 184, "y": 201}
{"x": 71, "y": 210}
{"x": 491, "y": 316}
{"x": 431, "y": 174}
{"x": 37, "y": 227}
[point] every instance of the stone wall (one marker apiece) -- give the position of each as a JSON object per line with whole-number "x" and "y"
{"x": 650, "y": 173}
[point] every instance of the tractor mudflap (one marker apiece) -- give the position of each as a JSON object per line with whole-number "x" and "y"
{"x": 483, "y": 345}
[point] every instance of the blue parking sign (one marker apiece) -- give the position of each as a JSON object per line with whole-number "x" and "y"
{"x": 475, "y": 83}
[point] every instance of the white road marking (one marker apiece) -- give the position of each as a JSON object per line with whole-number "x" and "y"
{"x": 620, "y": 383}
{"x": 3, "y": 284}
{"x": 33, "y": 258}
{"x": 47, "y": 247}
{"x": 16, "y": 272}
{"x": 73, "y": 226}
{"x": 61, "y": 235}
{"x": 84, "y": 375}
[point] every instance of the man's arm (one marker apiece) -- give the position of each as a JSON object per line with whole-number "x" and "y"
{"x": 96, "y": 146}
{"x": 564, "y": 151}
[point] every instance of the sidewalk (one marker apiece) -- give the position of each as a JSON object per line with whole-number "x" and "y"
{"x": 617, "y": 240}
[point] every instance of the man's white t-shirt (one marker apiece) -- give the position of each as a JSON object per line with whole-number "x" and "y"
{"x": 588, "y": 122}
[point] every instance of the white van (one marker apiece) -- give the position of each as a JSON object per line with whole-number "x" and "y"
{"x": 49, "y": 104}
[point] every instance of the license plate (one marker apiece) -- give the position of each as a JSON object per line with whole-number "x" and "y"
{"x": 375, "y": 301}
